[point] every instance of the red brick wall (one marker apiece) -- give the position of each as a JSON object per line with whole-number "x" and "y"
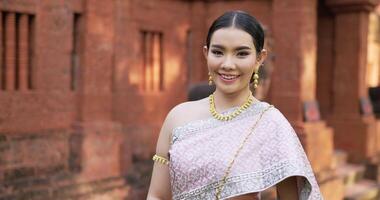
{"x": 60, "y": 141}
{"x": 142, "y": 112}
{"x": 46, "y": 149}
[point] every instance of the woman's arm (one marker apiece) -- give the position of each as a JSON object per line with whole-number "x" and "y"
{"x": 160, "y": 183}
{"x": 287, "y": 189}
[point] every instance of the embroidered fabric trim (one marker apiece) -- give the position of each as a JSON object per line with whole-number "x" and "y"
{"x": 252, "y": 182}
{"x": 185, "y": 130}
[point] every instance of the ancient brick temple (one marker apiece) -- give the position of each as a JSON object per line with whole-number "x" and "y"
{"x": 85, "y": 86}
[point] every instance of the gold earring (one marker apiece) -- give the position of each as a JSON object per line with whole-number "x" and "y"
{"x": 256, "y": 79}
{"x": 209, "y": 79}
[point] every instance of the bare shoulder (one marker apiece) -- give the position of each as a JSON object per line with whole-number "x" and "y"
{"x": 180, "y": 114}
{"x": 188, "y": 111}
{"x": 190, "y": 105}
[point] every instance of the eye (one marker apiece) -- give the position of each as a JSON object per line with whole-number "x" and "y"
{"x": 242, "y": 53}
{"x": 217, "y": 52}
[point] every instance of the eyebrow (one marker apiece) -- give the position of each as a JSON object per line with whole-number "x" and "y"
{"x": 237, "y": 48}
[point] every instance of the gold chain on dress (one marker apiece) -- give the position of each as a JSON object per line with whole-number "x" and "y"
{"x": 228, "y": 171}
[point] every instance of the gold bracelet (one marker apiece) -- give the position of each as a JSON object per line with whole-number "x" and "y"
{"x": 160, "y": 159}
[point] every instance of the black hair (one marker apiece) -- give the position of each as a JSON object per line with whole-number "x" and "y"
{"x": 241, "y": 20}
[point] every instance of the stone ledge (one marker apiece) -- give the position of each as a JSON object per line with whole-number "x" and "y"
{"x": 70, "y": 189}
{"x": 351, "y": 5}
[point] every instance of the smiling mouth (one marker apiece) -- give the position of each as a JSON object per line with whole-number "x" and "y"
{"x": 228, "y": 77}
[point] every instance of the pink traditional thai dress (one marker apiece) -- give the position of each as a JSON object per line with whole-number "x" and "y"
{"x": 201, "y": 151}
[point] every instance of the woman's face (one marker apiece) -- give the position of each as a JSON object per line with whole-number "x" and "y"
{"x": 231, "y": 59}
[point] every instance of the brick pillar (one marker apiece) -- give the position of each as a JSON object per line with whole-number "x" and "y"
{"x": 294, "y": 83}
{"x": 23, "y": 59}
{"x": 102, "y": 145}
{"x": 325, "y": 61}
{"x": 10, "y": 51}
{"x": 354, "y": 133}
{"x": 199, "y": 30}
{"x": 2, "y": 75}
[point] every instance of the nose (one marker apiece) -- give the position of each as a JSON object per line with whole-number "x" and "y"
{"x": 228, "y": 63}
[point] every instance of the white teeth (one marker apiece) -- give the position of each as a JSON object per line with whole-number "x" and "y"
{"x": 229, "y": 77}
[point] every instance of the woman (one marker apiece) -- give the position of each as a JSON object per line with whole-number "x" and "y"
{"x": 230, "y": 145}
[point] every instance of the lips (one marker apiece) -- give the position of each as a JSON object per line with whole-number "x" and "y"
{"x": 228, "y": 77}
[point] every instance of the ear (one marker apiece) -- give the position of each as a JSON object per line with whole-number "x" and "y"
{"x": 205, "y": 51}
{"x": 261, "y": 57}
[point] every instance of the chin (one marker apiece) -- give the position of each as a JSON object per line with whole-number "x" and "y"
{"x": 228, "y": 90}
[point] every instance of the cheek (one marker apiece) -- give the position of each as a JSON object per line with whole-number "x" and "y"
{"x": 247, "y": 66}
{"x": 213, "y": 62}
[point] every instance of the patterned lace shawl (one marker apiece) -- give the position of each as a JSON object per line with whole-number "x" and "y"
{"x": 201, "y": 150}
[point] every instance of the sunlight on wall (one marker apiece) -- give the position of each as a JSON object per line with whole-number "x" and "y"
{"x": 309, "y": 74}
{"x": 134, "y": 77}
{"x": 173, "y": 70}
{"x": 373, "y": 52}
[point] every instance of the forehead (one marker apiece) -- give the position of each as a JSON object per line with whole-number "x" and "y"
{"x": 231, "y": 37}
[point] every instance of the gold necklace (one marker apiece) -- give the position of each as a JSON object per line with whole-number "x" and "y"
{"x": 237, "y": 112}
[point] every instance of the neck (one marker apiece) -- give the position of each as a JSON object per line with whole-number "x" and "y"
{"x": 224, "y": 101}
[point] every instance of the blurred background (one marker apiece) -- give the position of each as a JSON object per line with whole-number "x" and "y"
{"x": 85, "y": 86}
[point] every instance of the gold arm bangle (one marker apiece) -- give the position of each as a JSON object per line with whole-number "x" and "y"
{"x": 160, "y": 159}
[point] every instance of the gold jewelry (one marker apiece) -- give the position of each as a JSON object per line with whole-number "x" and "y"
{"x": 237, "y": 112}
{"x": 228, "y": 171}
{"x": 160, "y": 159}
{"x": 256, "y": 79}
{"x": 209, "y": 79}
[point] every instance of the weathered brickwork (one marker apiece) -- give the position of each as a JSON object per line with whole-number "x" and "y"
{"x": 85, "y": 86}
